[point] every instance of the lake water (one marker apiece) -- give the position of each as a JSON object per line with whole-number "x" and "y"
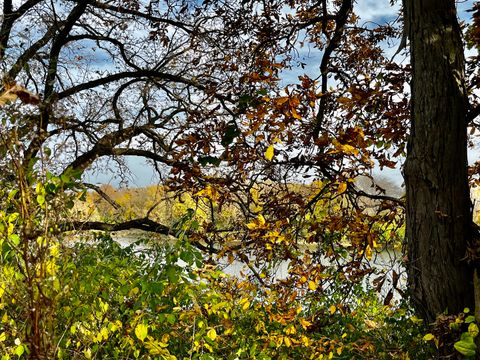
{"x": 387, "y": 261}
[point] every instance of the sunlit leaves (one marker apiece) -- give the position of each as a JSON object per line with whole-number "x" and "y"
{"x": 428, "y": 337}
{"x": 342, "y": 187}
{"x": 258, "y": 223}
{"x": 212, "y": 334}
{"x": 466, "y": 345}
{"x": 332, "y": 309}
{"x": 473, "y": 330}
{"x": 141, "y": 331}
{"x": 12, "y": 91}
{"x": 269, "y": 153}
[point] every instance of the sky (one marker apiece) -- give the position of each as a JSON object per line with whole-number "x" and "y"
{"x": 376, "y": 11}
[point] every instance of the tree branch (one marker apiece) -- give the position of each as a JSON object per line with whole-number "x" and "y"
{"x": 473, "y": 113}
{"x": 119, "y": 9}
{"x": 144, "y": 224}
{"x": 135, "y": 74}
{"x": 341, "y": 20}
{"x": 103, "y": 194}
{"x": 9, "y": 18}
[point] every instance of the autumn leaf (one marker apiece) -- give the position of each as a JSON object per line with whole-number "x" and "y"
{"x": 428, "y": 337}
{"x": 342, "y": 187}
{"x": 344, "y": 148}
{"x": 344, "y": 100}
{"x": 245, "y": 304}
{"x": 295, "y": 114}
{"x": 269, "y": 153}
{"x": 7, "y": 97}
{"x": 305, "y": 323}
{"x": 14, "y": 91}
{"x": 212, "y": 334}
{"x": 261, "y": 220}
{"x": 141, "y": 331}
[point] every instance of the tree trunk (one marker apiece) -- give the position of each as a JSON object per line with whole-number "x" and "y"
{"x": 438, "y": 200}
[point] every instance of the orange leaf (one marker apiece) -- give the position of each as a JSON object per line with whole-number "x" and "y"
{"x": 342, "y": 187}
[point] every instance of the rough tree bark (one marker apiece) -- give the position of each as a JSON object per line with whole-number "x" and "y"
{"x": 438, "y": 201}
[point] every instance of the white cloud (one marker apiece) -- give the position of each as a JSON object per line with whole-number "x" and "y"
{"x": 378, "y": 11}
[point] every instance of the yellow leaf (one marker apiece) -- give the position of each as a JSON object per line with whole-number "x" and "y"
{"x": 295, "y": 115}
{"x": 212, "y": 334}
{"x": 428, "y": 337}
{"x": 342, "y": 187}
{"x": 312, "y": 285}
{"x": 104, "y": 333}
{"x": 7, "y": 97}
{"x": 291, "y": 330}
{"x": 368, "y": 252}
{"x": 3, "y": 337}
{"x": 209, "y": 192}
{"x": 261, "y": 219}
{"x": 305, "y": 341}
{"x": 245, "y": 303}
{"x": 207, "y": 346}
{"x": 251, "y": 226}
{"x": 281, "y": 100}
{"x": 371, "y": 324}
{"x": 287, "y": 341}
{"x": 332, "y": 309}
{"x": 254, "y": 193}
{"x": 473, "y": 330}
{"x": 141, "y": 331}
{"x": 416, "y": 320}
{"x": 269, "y": 153}
{"x": 305, "y": 323}
{"x": 344, "y": 148}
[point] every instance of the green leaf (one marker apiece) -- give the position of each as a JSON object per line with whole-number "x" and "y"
{"x": 187, "y": 256}
{"x": 19, "y": 350}
{"x": 262, "y": 92}
{"x": 231, "y": 132}
{"x": 12, "y": 194}
{"x": 15, "y": 239}
{"x": 469, "y": 319}
{"x": 171, "y": 319}
{"x": 50, "y": 188}
{"x": 13, "y": 217}
{"x": 204, "y": 160}
{"x": 466, "y": 346}
{"x": 244, "y": 101}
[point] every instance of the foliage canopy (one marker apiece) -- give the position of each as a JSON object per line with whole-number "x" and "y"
{"x": 256, "y": 170}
